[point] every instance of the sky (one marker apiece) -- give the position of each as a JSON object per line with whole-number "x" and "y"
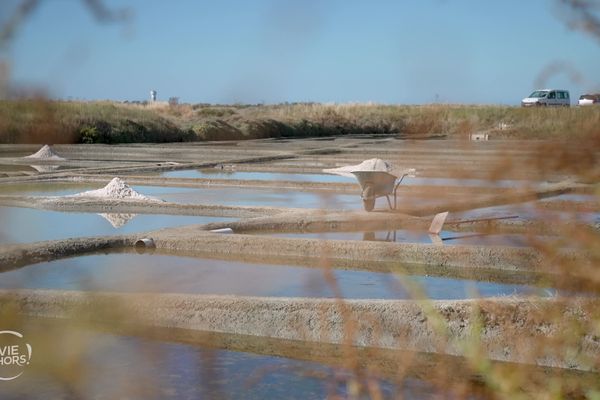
{"x": 272, "y": 51}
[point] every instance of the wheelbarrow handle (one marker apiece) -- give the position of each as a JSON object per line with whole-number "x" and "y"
{"x": 396, "y": 188}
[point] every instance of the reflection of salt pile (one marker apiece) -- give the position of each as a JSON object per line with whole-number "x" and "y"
{"x": 46, "y": 153}
{"x": 118, "y": 220}
{"x": 45, "y": 168}
{"x": 374, "y": 164}
{"x": 116, "y": 189}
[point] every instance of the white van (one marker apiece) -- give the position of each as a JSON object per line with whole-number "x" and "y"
{"x": 547, "y": 97}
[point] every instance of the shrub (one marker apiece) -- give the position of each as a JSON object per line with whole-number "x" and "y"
{"x": 88, "y": 135}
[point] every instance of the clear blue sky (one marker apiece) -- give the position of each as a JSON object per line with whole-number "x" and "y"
{"x": 451, "y": 51}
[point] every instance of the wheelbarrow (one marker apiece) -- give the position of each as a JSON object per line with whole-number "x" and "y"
{"x": 377, "y": 184}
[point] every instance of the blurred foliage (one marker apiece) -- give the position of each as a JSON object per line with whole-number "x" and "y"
{"x": 42, "y": 121}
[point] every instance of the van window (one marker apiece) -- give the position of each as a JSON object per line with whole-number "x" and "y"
{"x": 560, "y": 95}
{"x": 538, "y": 94}
{"x": 552, "y": 95}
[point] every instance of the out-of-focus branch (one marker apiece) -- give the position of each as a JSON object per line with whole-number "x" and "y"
{"x": 7, "y": 31}
{"x": 557, "y": 68}
{"x": 104, "y": 14}
{"x": 582, "y": 15}
{"x": 25, "y": 7}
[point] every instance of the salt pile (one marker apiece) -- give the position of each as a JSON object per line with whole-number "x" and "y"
{"x": 45, "y": 153}
{"x": 116, "y": 189}
{"x": 118, "y": 220}
{"x": 374, "y": 164}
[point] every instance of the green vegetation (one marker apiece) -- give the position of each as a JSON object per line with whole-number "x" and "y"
{"x": 28, "y": 121}
{"x": 106, "y": 122}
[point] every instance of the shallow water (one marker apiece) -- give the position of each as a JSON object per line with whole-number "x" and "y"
{"x": 26, "y": 225}
{"x": 315, "y": 177}
{"x": 223, "y": 196}
{"x": 530, "y": 211}
{"x": 32, "y": 169}
{"x": 246, "y": 175}
{"x": 505, "y": 183}
{"x": 255, "y": 197}
{"x": 113, "y": 366}
{"x": 46, "y": 189}
{"x": 448, "y": 238}
{"x": 575, "y": 197}
{"x": 173, "y": 274}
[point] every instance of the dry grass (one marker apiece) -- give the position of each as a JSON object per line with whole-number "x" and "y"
{"x": 305, "y": 120}
{"x": 43, "y": 121}
{"x": 109, "y": 122}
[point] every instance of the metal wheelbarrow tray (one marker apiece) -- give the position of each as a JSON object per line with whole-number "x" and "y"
{"x": 376, "y": 184}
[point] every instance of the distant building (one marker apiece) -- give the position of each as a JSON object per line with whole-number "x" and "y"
{"x": 153, "y": 95}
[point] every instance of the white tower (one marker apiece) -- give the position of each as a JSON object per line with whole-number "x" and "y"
{"x": 153, "y": 95}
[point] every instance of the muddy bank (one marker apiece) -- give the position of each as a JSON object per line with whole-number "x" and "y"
{"x": 20, "y": 255}
{"x": 194, "y": 240}
{"x": 400, "y": 269}
{"x": 516, "y": 330}
{"x": 124, "y": 206}
{"x": 324, "y": 221}
{"x": 501, "y": 258}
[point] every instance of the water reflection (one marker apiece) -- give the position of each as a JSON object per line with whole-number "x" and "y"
{"x": 45, "y": 168}
{"x": 447, "y": 238}
{"x": 174, "y": 274}
{"x": 26, "y": 225}
{"x": 113, "y": 366}
{"x": 254, "y": 197}
{"x": 249, "y": 175}
{"x": 118, "y": 220}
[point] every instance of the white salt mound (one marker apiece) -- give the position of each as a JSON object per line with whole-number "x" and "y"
{"x": 45, "y": 153}
{"x": 374, "y": 164}
{"x": 116, "y": 189}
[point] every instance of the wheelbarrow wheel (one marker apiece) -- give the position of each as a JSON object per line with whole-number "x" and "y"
{"x": 368, "y": 199}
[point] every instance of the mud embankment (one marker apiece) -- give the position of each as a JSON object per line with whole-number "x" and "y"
{"x": 20, "y": 255}
{"x": 507, "y": 329}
